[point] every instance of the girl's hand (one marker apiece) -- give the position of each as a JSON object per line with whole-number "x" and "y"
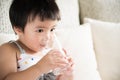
{"x": 67, "y": 74}
{"x": 53, "y": 59}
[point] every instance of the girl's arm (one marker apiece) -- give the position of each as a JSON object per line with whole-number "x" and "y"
{"x": 8, "y": 66}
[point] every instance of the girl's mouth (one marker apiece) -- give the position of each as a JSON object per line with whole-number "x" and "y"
{"x": 43, "y": 45}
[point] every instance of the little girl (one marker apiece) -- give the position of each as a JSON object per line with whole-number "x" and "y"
{"x": 28, "y": 58}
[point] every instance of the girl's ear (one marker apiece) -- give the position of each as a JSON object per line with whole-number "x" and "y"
{"x": 18, "y": 31}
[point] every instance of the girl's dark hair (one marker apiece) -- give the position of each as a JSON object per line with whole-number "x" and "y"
{"x": 22, "y": 11}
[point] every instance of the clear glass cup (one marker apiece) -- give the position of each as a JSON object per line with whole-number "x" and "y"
{"x": 57, "y": 45}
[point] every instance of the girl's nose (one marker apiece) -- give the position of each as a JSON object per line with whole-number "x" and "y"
{"x": 46, "y": 37}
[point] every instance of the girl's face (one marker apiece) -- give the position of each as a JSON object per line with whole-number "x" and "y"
{"x": 37, "y": 34}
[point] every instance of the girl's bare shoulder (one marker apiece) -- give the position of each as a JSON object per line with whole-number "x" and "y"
{"x": 8, "y": 48}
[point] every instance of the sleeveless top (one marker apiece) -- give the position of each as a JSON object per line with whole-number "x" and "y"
{"x": 26, "y": 60}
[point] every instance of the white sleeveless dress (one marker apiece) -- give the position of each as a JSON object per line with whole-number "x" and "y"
{"x": 26, "y": 60}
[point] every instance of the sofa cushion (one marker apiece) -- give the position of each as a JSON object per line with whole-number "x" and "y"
{"x": 5, "y": 25}
{"x": 69, "y": 10}
{"x": 107, "y": 10}
{"x": 78, "y": 42}
{"x": 106, "y": 37}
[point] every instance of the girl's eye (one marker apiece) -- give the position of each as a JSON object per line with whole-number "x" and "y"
{"x": 52, "y": 29}
{"x": 40, "y": 30}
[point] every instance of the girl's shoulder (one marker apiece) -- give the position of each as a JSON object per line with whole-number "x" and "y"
{"x": 8, "y": 45}
{"x": 8, "y": 48}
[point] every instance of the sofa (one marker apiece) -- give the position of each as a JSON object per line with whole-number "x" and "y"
{"x": 89, "y": 30}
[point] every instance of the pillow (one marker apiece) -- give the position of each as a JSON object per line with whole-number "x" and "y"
{"x": 7, "y": 37}
{"x": 106, "y": 37}
{"x": 78, "y": 43}
{"x": 69, "y": 13}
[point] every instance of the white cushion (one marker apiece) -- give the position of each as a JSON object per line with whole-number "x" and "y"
{"x": 78, "y": 43}
{"x": 106, "y": 37}
{"x": 69, "y": 13}
{"x": 7, "y": 37}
